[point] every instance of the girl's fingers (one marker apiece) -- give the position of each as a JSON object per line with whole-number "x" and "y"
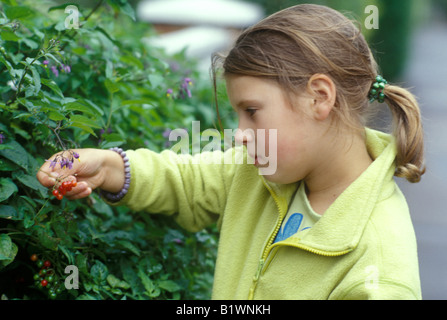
{"x": 85, "y": 193}
{"x": 81, "y": 190}
{"x": 47, "y": 179}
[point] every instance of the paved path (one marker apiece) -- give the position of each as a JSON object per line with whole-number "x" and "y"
{"x": 427, "y": 73}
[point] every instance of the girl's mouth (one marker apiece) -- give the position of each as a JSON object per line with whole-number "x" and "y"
{"x": 260, "y": 163}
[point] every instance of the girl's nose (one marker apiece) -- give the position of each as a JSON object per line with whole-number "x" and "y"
{"x": 244, "y": 136}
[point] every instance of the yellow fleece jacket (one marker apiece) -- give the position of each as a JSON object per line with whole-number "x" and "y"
{"x": 363, "y": 247}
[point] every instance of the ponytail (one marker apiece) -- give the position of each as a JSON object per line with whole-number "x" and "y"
{"x": 408, "y": 132}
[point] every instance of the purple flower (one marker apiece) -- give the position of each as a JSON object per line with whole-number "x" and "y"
{"x": 63, "y": 162}
{"x": 52, "y": 164}
{"x": 55, "y": 71}
{"x": 169, "y": 92}
{"x": 187, "y": 82}
{"x": 178, "y": 241}
{"x": 45, "y": 63}
{"x": 166, "y": 133}
{"x": 2, "y": 137}
{"x": 65, "y": 68}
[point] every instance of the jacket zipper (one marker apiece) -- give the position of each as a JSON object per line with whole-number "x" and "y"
{"x": 269, "y": 243}
{"x": 270, "y": 246}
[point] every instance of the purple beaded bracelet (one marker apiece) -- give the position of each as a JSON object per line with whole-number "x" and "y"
{"x": 115, "y": 197}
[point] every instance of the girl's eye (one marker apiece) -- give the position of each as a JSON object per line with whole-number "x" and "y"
{"x": 250, "y": 111}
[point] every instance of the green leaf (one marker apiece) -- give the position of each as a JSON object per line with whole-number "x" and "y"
{"x": 113, "y": 137}
{"x": 79, "y": 105}
{"x": 56, "y": 116}
{"x": 18, "y": 12}
{"x": 156, "y": 80}
{"x": 129, "y": 246}
{"x": 131, "y": 60}
{"x": 169, "y": 285}
{"x": 68, "y": 254}
{"x": 4, "y": 61}
{"x": 16, "y": 154}
{"x": 36, "y": 79}
{"x": 84, "y": 120}
{"x": 129, "y": 274}
{"x": 53, "y": 86}
{"x": 127, "y": 9}
{"x": 83, "y": 123}
{"x": 8, "y": 250}
{"x": 99, "y": 272}
{"x": 124, "y": 7}
{"x": 47, "y": 240}
{"x": 111, "y": 86}
{"x": 9, "y": 36}
{"x": 9, "y": 212}
{"x": 151, "y": 289}
{"x": 7, "y": 188}
{"x": 93, "y": 106}
{"x": 28, "y": 221}
{"x": 114, "y": 282}
{"x": 81, "y": 263}
{"x": 28, "y": 181}
{"x": 30, "y": 43}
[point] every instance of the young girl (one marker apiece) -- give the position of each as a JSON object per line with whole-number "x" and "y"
{"x": 330, "y": 222}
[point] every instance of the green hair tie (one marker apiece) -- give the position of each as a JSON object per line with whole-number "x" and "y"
{"x": 376, "y": 92}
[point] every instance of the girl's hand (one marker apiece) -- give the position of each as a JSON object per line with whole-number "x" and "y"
{"x": 93, "y": 168}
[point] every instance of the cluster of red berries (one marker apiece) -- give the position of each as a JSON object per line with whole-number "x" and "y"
{"x": 46, "y": 277}
{"x": 65, "y": 186}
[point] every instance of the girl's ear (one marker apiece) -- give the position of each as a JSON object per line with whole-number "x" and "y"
{"x": 323, "y": 92}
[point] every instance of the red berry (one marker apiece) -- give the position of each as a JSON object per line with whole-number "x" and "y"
{"x": 33, "y": 257}
{"x": 47, "y": 264}
{"x": 59, "y": 197}
{"x": 62, "y": 190}
{"x": 74, "y": 183}
{"x": 44, "y": 283}
{"x": 55, "y": 193}
{"x": 65, "y": 184}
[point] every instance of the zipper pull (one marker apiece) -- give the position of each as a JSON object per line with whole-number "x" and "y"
{"x": 258, "y": 273}
{"x": 251, "y": 293}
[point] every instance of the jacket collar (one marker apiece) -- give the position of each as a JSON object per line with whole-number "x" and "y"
{"x": 339, "y": 230}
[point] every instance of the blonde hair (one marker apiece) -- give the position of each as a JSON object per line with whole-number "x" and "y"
{"x": 293, "y": 44}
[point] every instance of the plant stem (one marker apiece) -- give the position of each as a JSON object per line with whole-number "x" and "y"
{"x": 109, "y": 118}
{"x": 38, "y": 213}
{"x": 55, "y": 131}
{"x": 19, "y": 87}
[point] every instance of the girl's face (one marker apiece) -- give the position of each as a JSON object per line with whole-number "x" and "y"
{"x": 262, "y": 107}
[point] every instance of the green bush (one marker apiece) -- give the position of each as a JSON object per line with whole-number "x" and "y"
{"x": 97, "y": 86}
